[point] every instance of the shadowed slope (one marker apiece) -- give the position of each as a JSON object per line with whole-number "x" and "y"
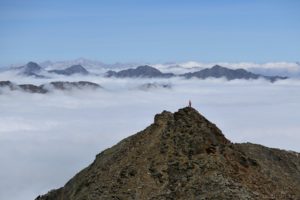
{"x": 184, "y": 156}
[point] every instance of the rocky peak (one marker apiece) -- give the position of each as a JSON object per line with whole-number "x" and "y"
{"x": 31, "y": 67}
{"x": 141, "y": 71}
{"x": 217, "y": 67}
{"x": 189, "y": 121}
{"x": 163, "y": 118}
{"x": 182, "y": 155}
{"x": 193, "y": 133}
{"x": 74, "y": 69}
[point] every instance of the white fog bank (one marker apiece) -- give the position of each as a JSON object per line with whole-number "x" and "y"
{"x": 45, "y": 139}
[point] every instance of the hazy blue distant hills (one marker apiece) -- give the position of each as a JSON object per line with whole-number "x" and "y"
{"x": 139, "y": 72}
{"x": 214, "y": 72}
{"x": 220, "y": 72}
{"x": 230, "y": 74}
{"x": 145, "y": 71}
{"x": 35, "y": 70}
{"x": 45, "y": 88}
{"x": 31, "y": 69}
{"x": 74, "y": 69}
{"x": 65, "y": 85}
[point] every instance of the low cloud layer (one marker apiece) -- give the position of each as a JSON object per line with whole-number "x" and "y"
{"x": 46, "y": 138}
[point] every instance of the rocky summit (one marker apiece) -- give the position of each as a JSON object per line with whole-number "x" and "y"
{"x": 182, "y": 155}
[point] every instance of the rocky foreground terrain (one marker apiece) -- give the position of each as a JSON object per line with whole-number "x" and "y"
{"x": 182, "y": 155}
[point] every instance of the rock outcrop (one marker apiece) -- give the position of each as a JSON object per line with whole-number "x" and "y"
{"x": 182, "y": 155}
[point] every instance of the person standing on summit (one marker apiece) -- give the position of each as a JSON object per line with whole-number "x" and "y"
{"x": 190, "y": 103}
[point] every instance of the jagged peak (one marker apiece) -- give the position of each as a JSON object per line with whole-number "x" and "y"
{"x": 189, "y": 121}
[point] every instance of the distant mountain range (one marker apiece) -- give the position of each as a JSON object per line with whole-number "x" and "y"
{"x": 141, "y": 71}
{"x": 230, "y": 74}
{"x": 45, "y": 88}
{"x": 34, "y": 70}
{"x": 31, "y": 69}
{"x": 74, "y": 69}
{"x": 145, "y": 71}
{"x": 214, "y": 72}
{"x": 89, "y": 64}
{"x": 68, "y": 86}
{"x": 289, "y": 69}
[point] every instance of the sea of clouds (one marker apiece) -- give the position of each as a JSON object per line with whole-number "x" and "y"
{"x": 45, "y": 139}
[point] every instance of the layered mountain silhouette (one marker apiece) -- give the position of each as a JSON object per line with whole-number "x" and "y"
{"x": 184, "y": 156}
{"x": 45, "y": 88}
{"x": 31, "y": 69}
{"x": 214, "y": 72}
{"x": 74, "y": 69}
{"x": 34, "y": 70}
{"x": 149, "y": 86}
{"x": 66, "y": 85}
{"x": 218, "y": 71}
{"x": 139, "y": 72}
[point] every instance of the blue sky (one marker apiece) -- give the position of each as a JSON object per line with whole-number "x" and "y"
{"x": 149, "y": 30}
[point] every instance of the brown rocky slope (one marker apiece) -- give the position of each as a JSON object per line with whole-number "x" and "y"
{"x": 184, "y": 156}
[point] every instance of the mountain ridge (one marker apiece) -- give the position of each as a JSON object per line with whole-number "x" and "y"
{"x": 183, "y": 155}
{"x": 146, "y": 71}
{"x": 288, "y": 69}
{"x": 74, "y": 69}
{"x": 218, "y": 71}
{"x": 35, "y": 70}
{"x": 45, "y": 88}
